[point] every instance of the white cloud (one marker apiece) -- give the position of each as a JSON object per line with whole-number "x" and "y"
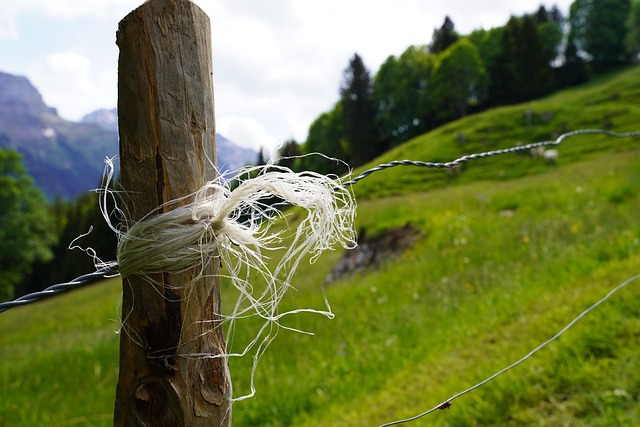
{"x": 68, "y": 82}
{"x": 245, "y": 131}
{"x": 70, "y": 9}
{"x": 65, "y": 10}
{"x": 8, "y": 28}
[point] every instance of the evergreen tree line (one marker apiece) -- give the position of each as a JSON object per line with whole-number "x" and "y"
{"x": 36, "y": 234}
{"x": 80, "y": 233}
{"x": 454, "y": 75}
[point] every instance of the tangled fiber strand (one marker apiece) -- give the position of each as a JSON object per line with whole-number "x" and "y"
{"x": 220, "y": 218}
{"x": 234, "y": 226}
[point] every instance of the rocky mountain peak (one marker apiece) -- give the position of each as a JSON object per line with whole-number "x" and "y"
{"x": 20, "y": 96}
{"x": 106, "y": 119}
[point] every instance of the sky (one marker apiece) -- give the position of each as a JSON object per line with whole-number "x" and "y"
{"x": 277, "y": 64}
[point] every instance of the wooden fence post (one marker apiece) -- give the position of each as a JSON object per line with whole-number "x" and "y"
{"x": 167, "y": 146}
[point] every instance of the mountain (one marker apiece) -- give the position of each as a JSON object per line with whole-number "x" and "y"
{"x": 104, "y": 118}
{"x": 66, "y": 158}
{"x": 232, "y": 156}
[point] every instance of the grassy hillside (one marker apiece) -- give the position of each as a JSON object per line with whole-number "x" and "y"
{"x": 611, "y": 102}
{"x": 510, "y": 251}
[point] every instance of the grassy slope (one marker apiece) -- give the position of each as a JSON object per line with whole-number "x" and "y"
{"x": 612, "y": 102}
{"x": 506, "y": 259}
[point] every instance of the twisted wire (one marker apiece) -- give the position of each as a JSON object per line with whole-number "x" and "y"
{"x": 466, "y": 158}
{"x": 108, "y": 271}
{"x": 112, "y": 268}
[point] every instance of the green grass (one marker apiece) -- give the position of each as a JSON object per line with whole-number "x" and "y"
{"x": 503, "y": 263}
{"x": 59, "y": 359}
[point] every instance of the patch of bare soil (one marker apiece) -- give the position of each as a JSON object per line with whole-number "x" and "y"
{"x": 371, "y": 252}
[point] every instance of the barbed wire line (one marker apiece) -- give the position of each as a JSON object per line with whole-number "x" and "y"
{"x": 447, "y": 403}
{"x": 112, "y": 268}
{"x": 102, "y": 273}
{"x": 466, "y": 158}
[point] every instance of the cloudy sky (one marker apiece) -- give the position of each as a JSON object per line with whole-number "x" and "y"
{"x": 277, "y": 63}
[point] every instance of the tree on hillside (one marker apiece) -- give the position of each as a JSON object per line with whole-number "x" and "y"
{"x": 489, "y": 44}
{"x": 401, "y": 95}
{"x": 598, "y": 28}
{"x": 574, "y": 69}
{"x": 502, "y": 72}
{"x": 541, "y": 15}
{"x": 532, "y": 60}
{"x": 555, "y": 15}
{"x": 633, "y": 36}
{"x": 358, "y": 113}
{"x": 73, "y": 219}
{"x": 549, "y": 25}
{"x": 26, "y": 230}
{"x": 550, "y": 34}
{"x": 459, "y": 79}
{"x": 287, "y": 153}
{"x": 444, "y": 36}
{"x": 521, "y": 70}
{"x": 326, "y": 136}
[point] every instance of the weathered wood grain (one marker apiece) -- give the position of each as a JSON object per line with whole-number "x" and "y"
{"x": 167, "y": 151}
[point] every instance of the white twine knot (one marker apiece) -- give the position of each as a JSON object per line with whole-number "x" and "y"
{"x": 225, "y": 222}
{"x": 229, "y": 220}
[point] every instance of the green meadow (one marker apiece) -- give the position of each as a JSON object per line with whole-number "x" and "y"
{"x": 510, "y": 250}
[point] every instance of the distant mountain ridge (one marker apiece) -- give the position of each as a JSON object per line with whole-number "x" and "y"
{"x": 66, "y": 158}
{"x": 103, "y": 118}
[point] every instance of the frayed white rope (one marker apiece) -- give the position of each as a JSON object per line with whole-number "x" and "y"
{"x": 235, "y": 226}
{"x": 238, "y": 222}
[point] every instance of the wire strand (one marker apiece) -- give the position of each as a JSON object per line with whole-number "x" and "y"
{"x": 485, "y": 154}
{"x": 102, "y": 273}
{"x": 447, "y": 403}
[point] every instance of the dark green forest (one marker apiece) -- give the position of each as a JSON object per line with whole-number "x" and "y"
{"x": 450, "y": 76}
{"x": 44, "y": 243}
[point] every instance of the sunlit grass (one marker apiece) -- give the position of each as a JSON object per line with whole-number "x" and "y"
{"x": 59, "y": 359}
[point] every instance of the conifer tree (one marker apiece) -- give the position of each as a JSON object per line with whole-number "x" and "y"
{"x": 535, "y": 77}
{"x": 358, "y": 113}
{"x": 521, "y": 71}
{"x": 287, "y": 153}
{"x": 261, "y": 159}
{"x": 443, "y": 37}
{"x": 574, "y": 70}
{"x": 599, "y": 28}
{"x": 633, "y": 36}
{"x": 26, "y": 229}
